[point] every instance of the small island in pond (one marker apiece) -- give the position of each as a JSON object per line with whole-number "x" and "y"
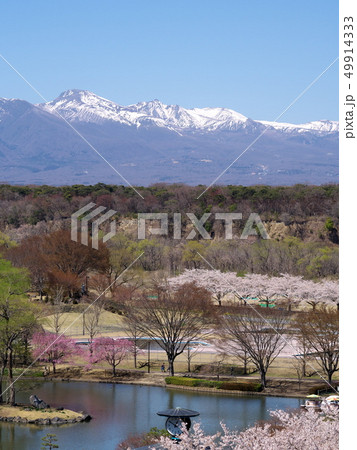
{"x": 48, "y": 416}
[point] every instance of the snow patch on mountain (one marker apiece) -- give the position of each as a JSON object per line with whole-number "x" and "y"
{"x": 76, "y": 105}
{"x": 323, "y": 126}
{"x": 84, "y": 106}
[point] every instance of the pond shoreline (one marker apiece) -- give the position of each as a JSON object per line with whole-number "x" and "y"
{"x": 158, "y": 380}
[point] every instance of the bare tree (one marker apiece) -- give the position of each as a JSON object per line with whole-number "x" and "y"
{"x": 173, "y": 319}
{"x": 56, "y": 319}
{"x": 91, "y": 322}
{"x": 304, "y": 351}
{"x": 299, "y": 366}
{"x": 259, "y": 334}
{"x": 320, "y": 330}
{"x": 133, "y": 331}
{"x": 235, "y": 350}
{"x": 192, "y": 351}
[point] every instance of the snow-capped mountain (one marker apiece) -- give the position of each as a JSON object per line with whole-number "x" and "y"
{"x": 152, "y": 142}
{"x": 321, "y": 126}
{"x": 84, "y": 106}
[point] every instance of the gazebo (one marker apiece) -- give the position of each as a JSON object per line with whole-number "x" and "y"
{"x": 177, "y": 418}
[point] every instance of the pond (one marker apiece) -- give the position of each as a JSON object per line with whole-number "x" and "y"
{"x": 119, "y": 411}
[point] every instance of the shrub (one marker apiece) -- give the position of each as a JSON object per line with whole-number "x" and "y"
{"x": 249, "y": 386}
{"x": 144, "y": 439}
{"x": 192, "y": 382}
{"x": 323, "y": 388}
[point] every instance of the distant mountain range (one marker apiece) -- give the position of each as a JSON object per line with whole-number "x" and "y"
{"x": 151, "y": 142}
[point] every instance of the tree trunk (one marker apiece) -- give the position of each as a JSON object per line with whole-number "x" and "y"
{"x": 135, "y": 354}
{"x": 114, "y": 371}
{"x": 263, "y": 378}
{"x": 329, "y": 375}
{"x": 11, "y": 380}
{"x": 188, "y": 358}
{"x": 54, "y": 367}
{"x": 2, "y": 373}
{"x": 171, "y": 366}
{"x": 26, "y": 351}
{"x": 245, "y": 365}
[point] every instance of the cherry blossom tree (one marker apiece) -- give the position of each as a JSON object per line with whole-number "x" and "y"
{"x": 327, "y": 292}
{"x": 53, "y": 349}
{"x": 220, "y": 284}
{"x": 285, "y": 288}
{"x": 299, "y": 430}
{"x": 216, "y": 282}
{"x": 294, "y": 289}
{"x": 113, "y": 351}
{"x": 259, "y": 286}
{"x": 315, "y": 293}
{"x": 289, "y": 288}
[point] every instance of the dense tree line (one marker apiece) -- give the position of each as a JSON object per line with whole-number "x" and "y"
{"x": 31, "y": 205}
{"x": 305, "y": 215}
{"x": 59, "y": 266}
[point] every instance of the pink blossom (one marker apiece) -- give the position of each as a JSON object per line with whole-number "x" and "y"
{"x": 53, "y": 349}
{"x": 113, "y": 351}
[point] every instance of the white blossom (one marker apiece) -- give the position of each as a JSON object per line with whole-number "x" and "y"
{"x": 299, "y": 430}
{"x": 288, "y": 288}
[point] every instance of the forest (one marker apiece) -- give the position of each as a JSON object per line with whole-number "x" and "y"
{"x": 302, "y": 222}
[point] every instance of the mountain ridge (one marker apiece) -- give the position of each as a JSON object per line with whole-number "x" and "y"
{"x": 207, "y": 118}
{"x": 152, "y": 142}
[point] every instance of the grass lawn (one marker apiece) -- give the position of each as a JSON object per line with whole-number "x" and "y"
{"x": 72, "y": 324}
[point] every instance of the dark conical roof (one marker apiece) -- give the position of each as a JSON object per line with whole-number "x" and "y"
{"x": 178, "y": 412}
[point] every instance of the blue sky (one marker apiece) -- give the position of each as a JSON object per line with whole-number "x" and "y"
{"x": 252, "y": 56}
